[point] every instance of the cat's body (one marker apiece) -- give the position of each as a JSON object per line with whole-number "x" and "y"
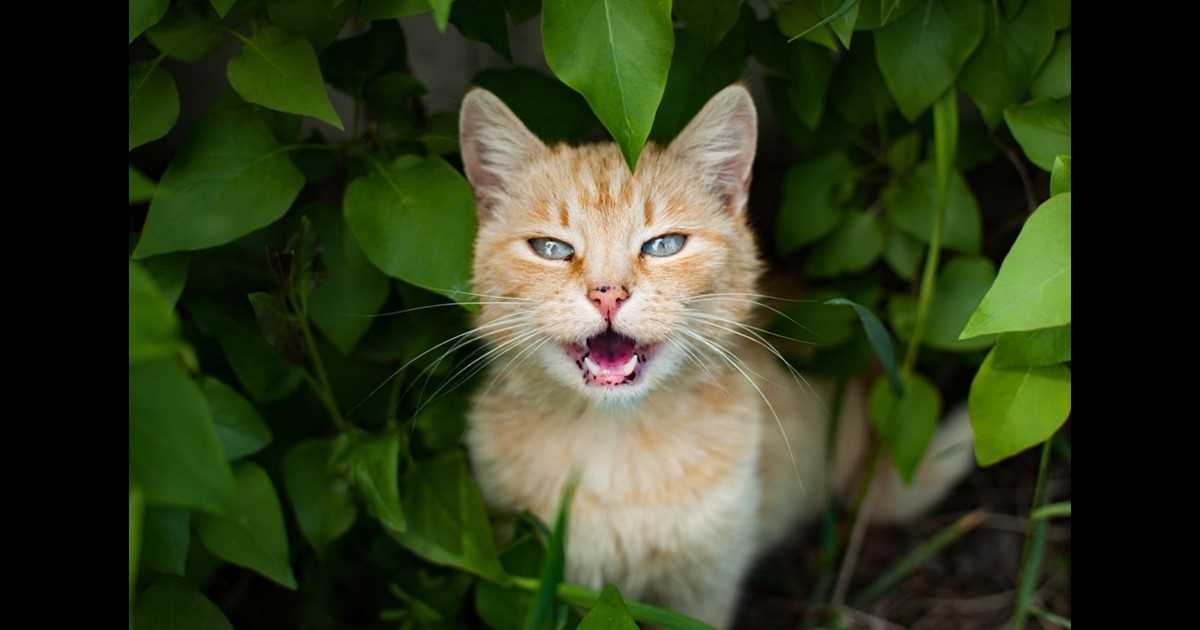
{"x": 625, "y": 360}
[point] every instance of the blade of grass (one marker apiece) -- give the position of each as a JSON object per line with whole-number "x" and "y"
{"x": 1057, "y": 620}
{"x": 644, "y": 613}
{"x": 542, "y": 615}
{"x": 1054, "y": 510}
{"x": 1035, "y": 542}
{"x": 917, "y": 557}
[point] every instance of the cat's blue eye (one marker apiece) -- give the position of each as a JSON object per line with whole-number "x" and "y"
{"x": 665, "y": 245}
{"x": 551, "y": 249}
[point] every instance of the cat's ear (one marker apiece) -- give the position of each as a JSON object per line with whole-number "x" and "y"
{"x": 495, "y": 144}
{"x": 720, "y": 143}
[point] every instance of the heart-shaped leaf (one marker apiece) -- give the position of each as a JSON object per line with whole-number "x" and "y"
{"x": 229, "y": 179}
{"x": 278, "y": 69}
{"x": 617, "y": 53}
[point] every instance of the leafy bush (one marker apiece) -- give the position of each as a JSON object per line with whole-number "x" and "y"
{"x": 295, "y": 403}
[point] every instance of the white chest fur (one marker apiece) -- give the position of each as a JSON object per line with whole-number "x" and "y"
{"x": 666, "y": 503}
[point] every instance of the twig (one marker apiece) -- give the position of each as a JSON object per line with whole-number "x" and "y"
{"x": 862, "y": 517}
{"x": 1026, "y": 182}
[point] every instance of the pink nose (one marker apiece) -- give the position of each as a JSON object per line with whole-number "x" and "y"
{"x": 608, "y": 299}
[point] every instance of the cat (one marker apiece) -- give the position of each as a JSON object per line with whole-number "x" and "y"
{"x": 616, "y": 298}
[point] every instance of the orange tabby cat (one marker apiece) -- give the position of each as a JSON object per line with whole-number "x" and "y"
{"x": 617, "y": 298}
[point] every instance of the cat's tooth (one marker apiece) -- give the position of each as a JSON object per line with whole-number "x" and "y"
{"x": 591, "y": 365}
{"x": 629, "y": 366}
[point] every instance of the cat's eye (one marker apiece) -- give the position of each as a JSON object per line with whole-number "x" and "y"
{"x": 665, "y": 245}
{"x": 551, "y": 249}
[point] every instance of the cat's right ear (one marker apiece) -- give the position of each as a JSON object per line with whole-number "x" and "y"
{"x": 495, "y": 144}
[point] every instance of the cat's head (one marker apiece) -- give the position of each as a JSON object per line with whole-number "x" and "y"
{"x": 608, "y": 281}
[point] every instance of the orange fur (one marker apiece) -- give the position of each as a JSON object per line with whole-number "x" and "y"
{"x": 685, "y": 475}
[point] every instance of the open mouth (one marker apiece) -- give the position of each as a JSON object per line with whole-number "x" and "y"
{"x": 610, "y": 359}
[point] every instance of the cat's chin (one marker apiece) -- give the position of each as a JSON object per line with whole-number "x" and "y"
{"x": 611, "y": 361}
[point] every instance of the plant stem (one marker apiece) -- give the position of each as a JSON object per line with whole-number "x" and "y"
{"x": 915, "y": 558}
{"x": 945, "y": 129}
{"x": 321, "y": 386}
{"x": 861, "y": 516}
{"x": 579, "y": 596}
{"x": 1057, "y": 620}
{"x": 1031, "y": 554}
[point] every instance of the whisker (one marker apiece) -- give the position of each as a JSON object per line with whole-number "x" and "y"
{"x": 496, "y": 353}
{"x": 786, "y": 442}
{"x": 498, "y": 321}
{"x": 774, "y": 310}
{"x": 427, "y": 307}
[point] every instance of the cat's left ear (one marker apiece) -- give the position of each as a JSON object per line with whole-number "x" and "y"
{"x": 494, "y": 144}
{"x": 720, "y": 143}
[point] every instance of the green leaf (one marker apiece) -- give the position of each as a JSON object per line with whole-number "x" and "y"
{"x": 320, "y": 497}
{"x": 441, "y": 135}
{"x": 279, "y": 70}
{"x": 1060, "y": 176}
{"x": 853, "y": 246}
{"x": 483, "y": 21}
{"x": 241, "y": 430}
{"x": 391, "y": 94}
{"x": 229, "y": 179}
{"x": 709, "y": 20}
{"x": 1013, "y": 409}
{"x": 174, "y": 452}
{"x": 698, "y": 71}
{"x": 263, "y": 372}
{"x": 415, "y": 220}
{"x": 881, "y": 341}
{"x": 252, "y": 535}
{"x": 921, "y": 54}
{"x": 165, "y": 539}
{"x": 555, "y": 562}
{"x": 1054, "y": 79}
{"x": 137, "y": 506}
{"x": 905, "y": 424}
{"x": 961, "y": 284}
{"x": 1035, "y": 348}
{"x": 350, "y": 63}
{"x": 1043, "y": 129}
{"x": 143, "y": 14}
{"x": 1001, "y": 70}
{"x": 509, "y": 608}
{"x": 807, "y": 19}
{"x": 153, "y": 104}
{"x": 1033, "y": 288}
{"x": 617, "y": 54}
{"x": 188, "y": 32}
{"x": 551, "y": 110}
{"x": 904, "y": 152}
{"x": 352, "y": 291}
{"x": 447, "y": 522}
{"x": 873, "y": 14}
{"x": 304, "y": 16}
{"x": 813, "y": 194}
{"x": 153, "y": 327}
{"x": 857, "y": 92}
{"x": 609, "y": 613}
{"x": 383, "y": 9}
{"x": 811, "y": 68}
{"x": 223, "y": 6}
{"x": 373, "y": 464}
{"x": 278, "y": 327}
{"x": 174, "y": 604}
{"x": 912, "y": 200}
{"x": 903, "y": 253}
{"x": 141, "y": 188}
{"x": 441, "y": 13}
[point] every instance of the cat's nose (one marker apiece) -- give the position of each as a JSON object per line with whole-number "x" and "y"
{"x": 608, "y": 299}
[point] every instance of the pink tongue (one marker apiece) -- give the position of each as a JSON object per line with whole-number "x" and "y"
{"x": 610, "y": 351}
